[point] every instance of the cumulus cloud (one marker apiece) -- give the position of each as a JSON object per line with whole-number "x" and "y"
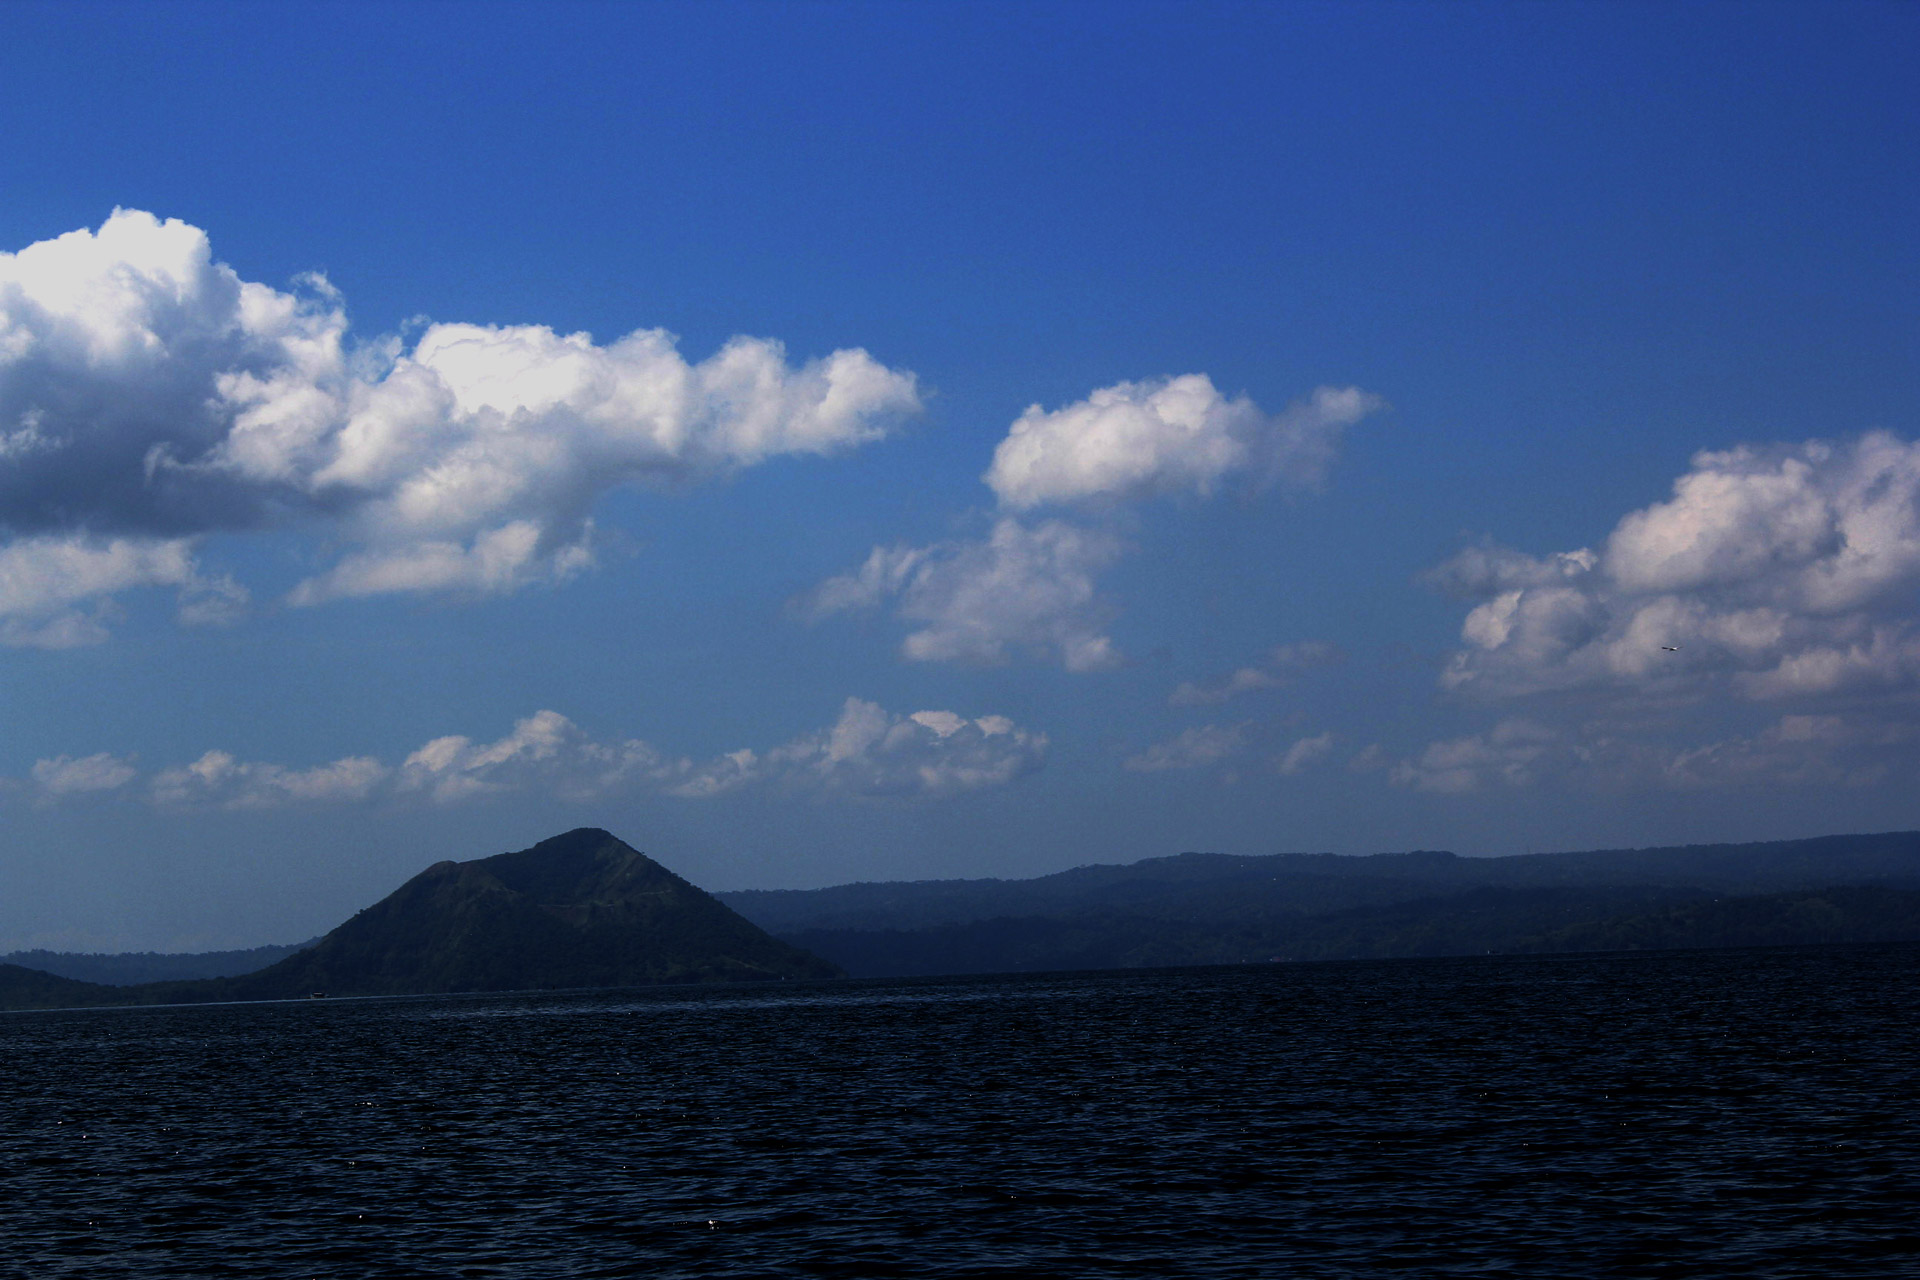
{"x": 1773, "y": 572}
{"x": 1282, "y": 663}
{"x": 1031, "y": 587}
{"x": 1193, "y": 749}
{"x": 1022, "y": 589}
{"x": 866, "y": 752}
{"x": 149, "y": 395}
{"x": 66, "y": 776}
{"x": 1170, "y": 435}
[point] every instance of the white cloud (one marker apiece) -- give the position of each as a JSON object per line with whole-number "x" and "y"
{"x": 1772, "y": 572}
{"x": 1511, "y": 755}
{"x": 1282, "y": 663}
{"x": 867, "y": 751}
{"x": 149, "y": 395}
{"x": 1030, "y": 588}
{"x": 496, "y": 561}
{"x": 53, "y": 590}
{"x": 1303, "y": 755}
{"x": 66, "y": 776}
{"x": 545, "y": 751}
{"x": 1171, "y": 435}
{"x": 212, "y": 602}
{"x": 1022, "y": 589}
{"x": 1193, "y": 749}
{"x": 871, "y": 752}
{"x": 217, "y": 778}
{"x": 475, "y": 459}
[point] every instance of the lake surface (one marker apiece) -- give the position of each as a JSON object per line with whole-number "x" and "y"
{"x": 1741, "y": 1114}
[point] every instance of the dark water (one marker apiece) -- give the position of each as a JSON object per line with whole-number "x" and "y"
{"x": 1728, "y": 1114}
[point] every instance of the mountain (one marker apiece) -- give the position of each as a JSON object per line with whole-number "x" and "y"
{"x": 1202, "y": 908}
{"x": 579, "y": 910}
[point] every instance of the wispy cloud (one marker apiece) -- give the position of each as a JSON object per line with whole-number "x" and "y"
{"x": 65, "y": 776}
{"x": 1193, "y": 748}
{"x": 1303, "y": 755}
{"x": 1281, "y": 664}
{"x": 54, "y": 590}
{"x": 1511, "y": 755}
{"x": 1790, "y": 752}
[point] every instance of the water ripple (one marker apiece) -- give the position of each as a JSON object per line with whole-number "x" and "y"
{"x": 1737, "y": 1113}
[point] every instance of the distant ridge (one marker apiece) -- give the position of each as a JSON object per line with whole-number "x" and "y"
{"x": 1327, "y": 881}
{"x": 1208, "y": 908}
{"x": 582, "y": 909}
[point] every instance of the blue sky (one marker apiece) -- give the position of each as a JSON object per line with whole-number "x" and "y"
{"x": 828, "y": 442}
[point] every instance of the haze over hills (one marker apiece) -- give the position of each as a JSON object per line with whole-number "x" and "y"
{"x": 582, "y": 909}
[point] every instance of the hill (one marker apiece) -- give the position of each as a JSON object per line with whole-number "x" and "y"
{"x": 1203, "y": 908}
{"x": 1201, "y": 885}
{"x": 1481, "y": 921}
{"x": 585, "y": 910}
{"x": 23, "y": 988}
{"x": 579, "y": 910}
{"x": 129, "y": 968}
